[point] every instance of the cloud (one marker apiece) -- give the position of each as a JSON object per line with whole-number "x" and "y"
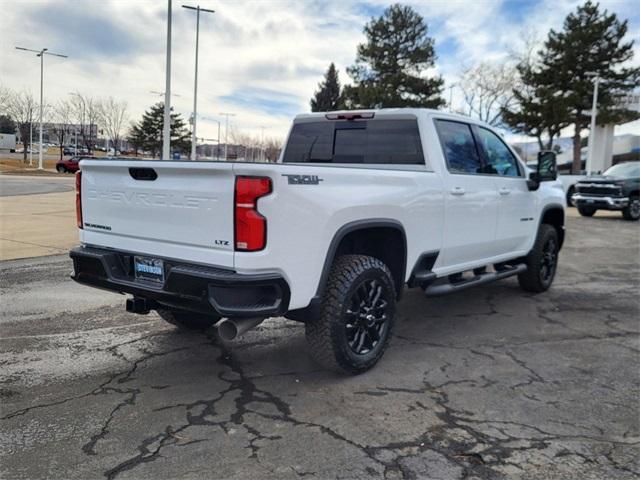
{"x": 259, "y": 59}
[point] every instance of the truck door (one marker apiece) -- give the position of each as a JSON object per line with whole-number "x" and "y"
{"x": 471, "y": 199}
{"x": 516, "y": 205}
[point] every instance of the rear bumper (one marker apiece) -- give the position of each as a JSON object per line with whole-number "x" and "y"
{"x": 186, "y": 286}
{"x": 607, "y": 203}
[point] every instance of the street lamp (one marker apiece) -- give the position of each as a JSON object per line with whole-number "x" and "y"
{"x": 451, "y": 96}
{"x": 217, "y": 146}
{"x": 75, "y": 128}
{"x": 262, "y": 149}
{"x": 166, "y": 127}
{"x": 41, "y": 54}
{"x": 195, "y": 83}
{"x": 594, "y": 112}
{"x": 226, "y": 133}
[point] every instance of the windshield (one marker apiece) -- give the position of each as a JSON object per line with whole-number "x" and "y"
{"x": 629, "y": 169}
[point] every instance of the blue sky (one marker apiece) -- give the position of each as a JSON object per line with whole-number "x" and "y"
{"x": 261, "y": 59}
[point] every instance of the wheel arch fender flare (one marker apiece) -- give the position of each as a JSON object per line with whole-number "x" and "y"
{"x": 554, "y": 207}
{"x": 352, "y": 227}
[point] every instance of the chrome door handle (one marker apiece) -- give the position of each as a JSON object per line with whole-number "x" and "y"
{"x": 457, "y": 191}
{"x": 504, "y": 191}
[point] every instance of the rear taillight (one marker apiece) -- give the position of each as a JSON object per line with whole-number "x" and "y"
{"x": 79, "y": 198}
{"x": 250, "y": 226}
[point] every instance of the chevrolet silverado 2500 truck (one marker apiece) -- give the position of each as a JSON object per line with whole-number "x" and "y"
{"x": 360, "y": 204}
{"x": 618, "y": 188}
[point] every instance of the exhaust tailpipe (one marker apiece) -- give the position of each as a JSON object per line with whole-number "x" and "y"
{"x": 232, "y": 328}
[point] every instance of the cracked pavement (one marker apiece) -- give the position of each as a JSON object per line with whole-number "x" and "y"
{"x": 490, "y": 383}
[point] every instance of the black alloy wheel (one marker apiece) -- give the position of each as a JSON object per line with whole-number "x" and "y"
{"x": 542, "y": 261}
{"x": 548, "y": 260}
{"x": 632, "y": 211}
{"x": 353, "y": 326}
{"x": 367, "y": 318}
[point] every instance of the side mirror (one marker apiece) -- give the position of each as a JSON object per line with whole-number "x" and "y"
{"x": 546, "y": 169}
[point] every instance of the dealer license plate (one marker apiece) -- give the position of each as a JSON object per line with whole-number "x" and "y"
{"x": 149, "y": 269}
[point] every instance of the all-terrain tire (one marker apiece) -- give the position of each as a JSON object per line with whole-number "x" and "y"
{"x": 586, "y": 211}
{"x": 542, "y": 261}
{"x": 342, "y": 337}
{"x": 570, "y": 193}
{"x": 632, "y": 212}
{"x": 188, "y": 320}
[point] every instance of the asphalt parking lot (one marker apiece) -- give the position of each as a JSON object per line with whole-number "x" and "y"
{"x": 492, "y": 383}
{"x": 21, "y": 185}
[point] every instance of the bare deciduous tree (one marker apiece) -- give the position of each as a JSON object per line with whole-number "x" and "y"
{"x": 487, "y": 88}
{"x": 22, "y": 108}
{"x": 113, "y": 117}
{"x": 5, "y": 94}
{"x": 272, "y": 149}
{"x": 62, "y": 115}
{"x": 86, "y": 111}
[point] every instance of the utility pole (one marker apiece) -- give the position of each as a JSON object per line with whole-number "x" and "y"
{"x": 226, "y": 133}
{"x": 594, "y": 113}
{"x": 41, "y": 54}
{"x": 166, "y": 128}
{"x": 195, "y": 83}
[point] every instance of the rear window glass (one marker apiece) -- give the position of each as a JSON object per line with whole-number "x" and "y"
{"x": 370, "y": 142}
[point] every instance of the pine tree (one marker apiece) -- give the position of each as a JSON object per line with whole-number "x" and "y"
{"x": 7, "y": 125}
{"x": 537, "y": 110}
{"x": 327, "y": 97}
{"x": 390, "y": 67}
{"x": 148, "y": 132}
{"x": 591, "y": 41}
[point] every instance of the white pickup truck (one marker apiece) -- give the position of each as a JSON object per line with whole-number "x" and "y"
{"x": 360, "y": 204}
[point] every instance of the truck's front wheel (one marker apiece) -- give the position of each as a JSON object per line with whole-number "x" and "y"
{"x": 188, "y": 320}
{"x": 542, "y": 261}
{"x": 356, "y": 315}
{"x": 632, "y": 211}
{"x": 586, "y": 211}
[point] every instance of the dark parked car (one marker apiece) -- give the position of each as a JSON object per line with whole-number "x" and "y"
{"x": 618, "y": 188}
{"x": 73, "y": 150}
{"x": 70, "y": 165}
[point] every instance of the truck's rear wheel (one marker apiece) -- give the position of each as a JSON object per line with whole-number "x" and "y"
{"x": 586, "y": 211}
{"x": 542, "y": 261}
{"x": 188, "y": 320}
{"x": 356, "y": 315}
{"x": 61, "y": 169}
{"x": 632, "y": 212}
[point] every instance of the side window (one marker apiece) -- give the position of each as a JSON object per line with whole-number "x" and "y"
{"x": 459, "y": 147}
{"x": 500, "y": 161}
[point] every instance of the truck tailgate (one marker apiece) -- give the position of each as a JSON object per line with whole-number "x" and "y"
{"x": 185, "y": 212}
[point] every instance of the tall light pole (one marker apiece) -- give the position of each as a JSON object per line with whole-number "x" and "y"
{"x": 41, "y": 54}
{"x": 81, "y": 100}
{"x": 451, "y": 96}
{"x": 262, "y": 152}
{"x": 166, "y": 128}
{"x": 30, "y": 141}
{"x": 226, "y": 133}
{"x": 594, "y": 113}
{"x": 195, "y": 83}
{"x": 218, "y": 145}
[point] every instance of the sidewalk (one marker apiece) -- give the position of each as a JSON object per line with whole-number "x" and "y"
{"x": 37, "y": 225}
